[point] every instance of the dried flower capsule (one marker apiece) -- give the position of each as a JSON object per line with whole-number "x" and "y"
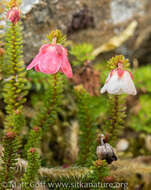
{"x": 105, "y": 152}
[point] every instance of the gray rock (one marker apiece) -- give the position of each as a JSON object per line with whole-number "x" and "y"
{"x": 27, "y": 5}
{"x": 102, "y": 20}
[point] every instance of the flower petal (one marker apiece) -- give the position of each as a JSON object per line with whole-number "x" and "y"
{"x": 35, "y": 62}
{"x": 127, "y": 85}
{"x": 103, "y": 89}
{"x": 119, "y": 85}
{"x": 65, "y": 65}
{"x": 66, "y": 68}
{"x": 50, "y": 63}
{"x": 44, "y": 48}
{"x": 114, "y": 86}
{"x": 37, "y": 68}
{"x": 37, "y": 59}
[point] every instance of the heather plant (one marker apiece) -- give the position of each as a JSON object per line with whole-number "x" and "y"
{"x": 21, "y": 159}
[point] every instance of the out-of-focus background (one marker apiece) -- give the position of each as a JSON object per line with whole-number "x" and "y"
{"x": 89, "y": 21}
{"x": 111, "y": 27}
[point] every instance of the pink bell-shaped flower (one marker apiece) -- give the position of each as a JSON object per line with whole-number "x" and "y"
{"x": 51, "y": 59}
{"x": 13, "y": 15}
{"x": 119, "y": 81}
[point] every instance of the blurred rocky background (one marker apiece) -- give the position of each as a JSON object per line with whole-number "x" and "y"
{"x": 90, "y": 21}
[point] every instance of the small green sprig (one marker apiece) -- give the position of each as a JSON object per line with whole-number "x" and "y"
{"x": 88, "y": 128}
{"x": 44, "y": 119}
{"x": 14, "y": 92}
{"x": 82, "y": 53}
{"x": 31, "y": 173}
{"x": 60, "y": 38}
{"x": 48, "y": 113}
{"x": 9, "y": 159}
{"x": 99, "y": 170}
{"x": 14, "y": 70}
{"x": 117, "y": 114}
{"x": 113, "y": 62}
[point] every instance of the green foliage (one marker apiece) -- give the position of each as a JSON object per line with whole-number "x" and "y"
{"x": 9, "y": 159}
{"x": 43, "y": 120}
{"x": 142, "y": 78}
{"x": 1, "y": 74}
{"x": 34, "y": 138}
{"x": 31, "y": 172}
{"x": 37, "y": 81}
{"x": 113, "y": 62}
{"x": 98, "y": 107}
{"x": 48, "y": 112}
{"x": 116, "y": 114}
{"x": 141, "y": 120}
{"x": 14, "y": 70}
{"x": 82, "y": 53}
{"x": 15, "y": 121}
{"x": 99, "y": 170}
{"x": 51, "y": 100}
{"x": 12, "y": 3}
{"x": 87, "y": 128}
{"x": 14, "y": 91}
{"x": 60, "y": 38}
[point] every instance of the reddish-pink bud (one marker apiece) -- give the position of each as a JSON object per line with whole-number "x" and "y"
{"x": 32, "y": 150}
{"x": 10, "y": 135}
{"x": 17, "y": 112}
{"x": 36, "y": 129}
{"x": 13, "y": 15}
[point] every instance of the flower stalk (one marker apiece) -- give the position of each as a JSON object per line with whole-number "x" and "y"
{"x": 87, "y": 141}
{"x": 119, "y": 82}
{"x": 14, "y": 91}
{"x": 52, "y": 97}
